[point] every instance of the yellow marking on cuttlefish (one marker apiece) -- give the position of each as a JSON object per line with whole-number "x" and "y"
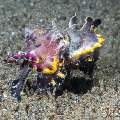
{"x": 90, "y": 59}
{"x": 53, "y": 82}
{"x": 54, "y": 67}
{"x": 61, "y": 75}
{"x": 100, "y": 43}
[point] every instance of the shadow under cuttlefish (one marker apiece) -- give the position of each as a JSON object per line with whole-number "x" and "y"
{"x": 76, "y": 85}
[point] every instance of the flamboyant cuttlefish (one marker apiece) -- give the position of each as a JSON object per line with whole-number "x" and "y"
{"x": 53, "y": 54}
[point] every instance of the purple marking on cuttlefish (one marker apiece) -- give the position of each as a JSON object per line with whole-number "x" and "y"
{"x": 93, "y": 36}
{"x": 51, "y": 59}
{"x": 31, "y": 56}
{"x": 33, "y": 37}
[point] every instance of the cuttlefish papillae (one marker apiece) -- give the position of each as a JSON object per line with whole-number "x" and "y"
{"x": 53, "y": 54}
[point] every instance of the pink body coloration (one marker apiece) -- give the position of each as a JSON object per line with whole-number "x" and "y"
{"x": 44, "y": 47}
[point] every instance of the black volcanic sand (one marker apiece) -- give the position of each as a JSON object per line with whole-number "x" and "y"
{"x": 83, "y": 99}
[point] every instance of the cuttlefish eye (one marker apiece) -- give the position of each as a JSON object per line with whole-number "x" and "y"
{"x": 97, "y": 22}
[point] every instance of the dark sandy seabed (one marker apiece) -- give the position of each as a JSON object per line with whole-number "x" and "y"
{"x": 86, "y": 100}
